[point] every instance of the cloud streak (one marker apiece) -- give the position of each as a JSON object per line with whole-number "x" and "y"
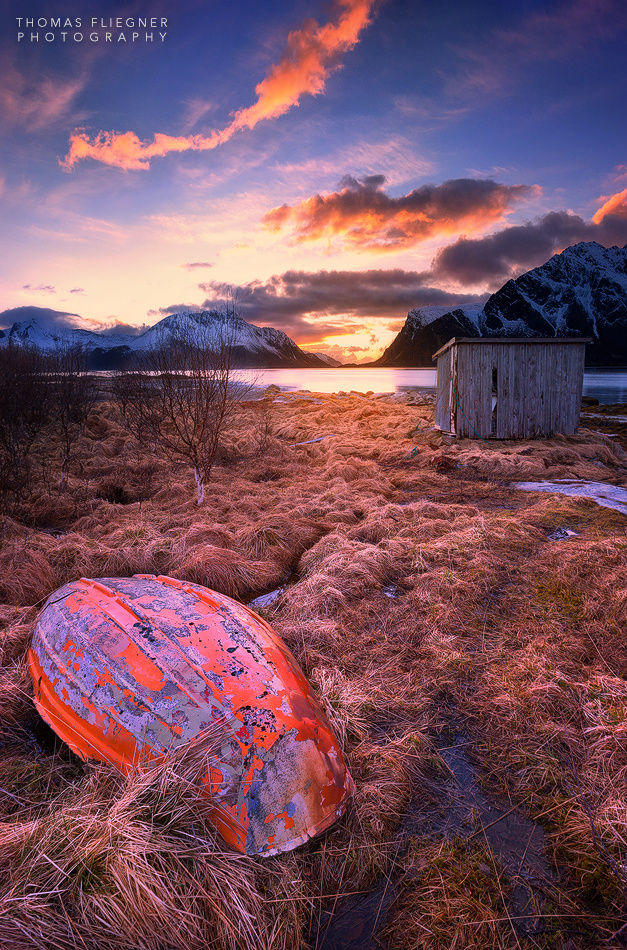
{"x": 312, "y": 52}
{"x": 367, "y": 218}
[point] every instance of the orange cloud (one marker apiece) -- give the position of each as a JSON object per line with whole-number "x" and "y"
{"x": 126, "y": 149}
{"x": 312, "y": 52}
{"x": 367, "y": 218}
{"x": 615, "y": 206}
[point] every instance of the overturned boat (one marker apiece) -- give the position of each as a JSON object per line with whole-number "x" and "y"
{"x": 126, "y": 669}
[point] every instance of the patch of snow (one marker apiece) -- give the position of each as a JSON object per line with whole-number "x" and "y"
{"x": 604, "y": 416}
{"x": 422, "y": 316}
{"x": 392, "y": 591}
{"x": 562, "y": 534}
{"x": 266, "y": 600}
{"x": 607, "y": 496}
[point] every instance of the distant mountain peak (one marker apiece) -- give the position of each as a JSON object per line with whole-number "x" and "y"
{"x": 580, "y": 292}
{"x": 251, "y": 345}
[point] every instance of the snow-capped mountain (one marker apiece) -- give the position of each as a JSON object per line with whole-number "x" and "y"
{"x": 48, "y": 331}
{"x": 251, "y": 345}
{"x": 328, "y": 360}
{"x": 424, "y": 331}
{"x": 580, "y": 292}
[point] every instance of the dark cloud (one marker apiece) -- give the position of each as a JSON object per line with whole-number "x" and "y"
{"x": 46, "y": 317}
{"x": 513, "y": 250}
{"x": 61, "y": 320}
{"x": 40, "y": 288}
{"x": 174, "y": 308}
{"x": 120, "y": 327}
{"x": 367, "y": 217}
{"x": 77, "y": 290}
{"x": 290, "y": 300}
{"x": 193, "y": 265}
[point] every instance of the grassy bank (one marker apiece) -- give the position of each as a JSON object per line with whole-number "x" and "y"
{"x": 466, "y": 637}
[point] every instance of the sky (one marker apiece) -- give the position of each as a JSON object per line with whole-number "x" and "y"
{"x": 327, "y": 165}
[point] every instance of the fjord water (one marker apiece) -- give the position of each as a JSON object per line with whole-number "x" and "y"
{"x": 607, "y": 385}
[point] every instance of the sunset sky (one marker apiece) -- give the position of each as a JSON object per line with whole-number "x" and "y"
{"x": 336, "y": 164}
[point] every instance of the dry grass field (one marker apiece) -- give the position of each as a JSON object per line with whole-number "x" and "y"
{"x": 467, "y": 638}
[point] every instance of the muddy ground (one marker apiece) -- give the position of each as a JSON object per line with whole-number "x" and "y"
{"x": 466, "y": 637}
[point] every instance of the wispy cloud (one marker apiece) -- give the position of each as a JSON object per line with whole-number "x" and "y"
{"x": 36, "y": 101}
{"x": 195, "y": 109}
{"x": 368, "y": 218}
{"x": 40, "y": 288}
{"x": 545, "y": 35}
{"x": 396, "y": 154}
{"x": 312, "y": 53}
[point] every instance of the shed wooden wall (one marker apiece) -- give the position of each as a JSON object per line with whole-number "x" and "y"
{"x": 539, "y": 389}
{"x": 443, "y": 392}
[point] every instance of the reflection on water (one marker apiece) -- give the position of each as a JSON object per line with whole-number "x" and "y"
{"x": 608, "y": 386}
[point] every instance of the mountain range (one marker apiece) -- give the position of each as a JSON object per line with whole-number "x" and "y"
{"x": 251, "y": 345}
{"x": 580, "y": 292}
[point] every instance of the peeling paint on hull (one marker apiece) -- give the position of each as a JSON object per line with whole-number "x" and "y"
{"x": 127, "y": 668}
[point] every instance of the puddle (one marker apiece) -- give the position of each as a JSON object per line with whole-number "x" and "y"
{"x": 607, "y": 496}
{"x": 519, "y": 843}
{"x": 354, "y": 925}
{"x": 464, "y": 809}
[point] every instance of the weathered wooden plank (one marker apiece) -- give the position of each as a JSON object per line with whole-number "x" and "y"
{"x": 514, "y": 432}
{"x": 559, "y": 386}
{"x": 442, "y": 405}
{"x": 464, "y": 388}
{"x": 533, "y": 406}
{"x": 454, "y": 397}
{"x": 505, "y": 395}
{"x": 480, "y": 408}
{"x": 546, "y": 365}
{"x": 552, "y": 389}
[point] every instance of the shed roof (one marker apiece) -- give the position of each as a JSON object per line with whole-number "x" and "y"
{"x": 513, "y": 340}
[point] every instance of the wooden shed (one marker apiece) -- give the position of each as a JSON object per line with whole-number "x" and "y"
{"x": 496, "y": 388}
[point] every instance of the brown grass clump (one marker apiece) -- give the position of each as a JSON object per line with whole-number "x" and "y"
{"x": 421, "y": 594}
{"x": 454, "y": 895}
{"x": 132, "y": 863}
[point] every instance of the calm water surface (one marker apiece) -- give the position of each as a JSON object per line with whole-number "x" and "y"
{"x": 608, "y": 386}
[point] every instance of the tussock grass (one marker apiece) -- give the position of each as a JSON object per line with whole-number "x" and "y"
{"x": 418, "y": 590}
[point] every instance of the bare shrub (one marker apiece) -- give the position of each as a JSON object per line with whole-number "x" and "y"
{"x": 72, "y": 396}
{"x": 180, "y": 397}
{"x": 25, "y": 412}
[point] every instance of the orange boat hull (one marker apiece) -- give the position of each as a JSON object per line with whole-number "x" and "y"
{"x": 127, "y": 669}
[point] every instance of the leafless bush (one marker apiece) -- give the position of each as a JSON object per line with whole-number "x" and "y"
{"x": 25, "y": 412}
{"x": 180, "y": 396}
{"x": 72, "y": 395}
